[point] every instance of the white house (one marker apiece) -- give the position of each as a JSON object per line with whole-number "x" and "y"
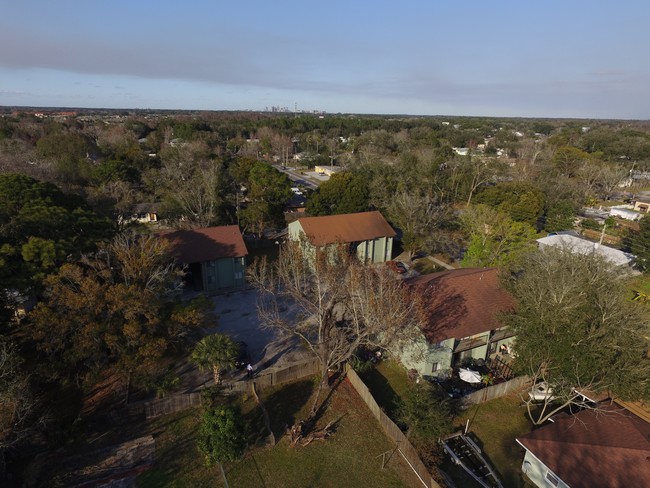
{"x": 624, "y": 212}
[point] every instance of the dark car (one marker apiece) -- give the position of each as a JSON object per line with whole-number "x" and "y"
{"x": 243, "y": 358}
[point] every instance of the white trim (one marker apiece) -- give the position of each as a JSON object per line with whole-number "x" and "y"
{"x": 542, "y": 463}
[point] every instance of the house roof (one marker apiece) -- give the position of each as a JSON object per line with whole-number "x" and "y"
{"x": 607, "y": 448}
{"x": 145, "y": 208}
{"x": 207, "y": 244}
{"x": 355, "y": 227}
{"x": 583, "y": 246}
{"x": 462, "y": 302}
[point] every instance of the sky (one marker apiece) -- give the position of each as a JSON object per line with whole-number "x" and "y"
{"x": 570, "y": 58}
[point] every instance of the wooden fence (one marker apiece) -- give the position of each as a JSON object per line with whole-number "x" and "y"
{"x": 171, "y": 404}
{"x": 405, "y": 448}
{"x": 494, "y": 391}
{"x": 290, "y": 373}
{"x": 183, "y": 401}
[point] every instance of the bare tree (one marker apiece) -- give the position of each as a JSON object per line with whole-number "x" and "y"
{"x": 195, "y": 185}
{"x": 420, "y": 218}
{"x": 18, "y": 406}
{"x": 336, "y": 304}
{"x": 480, "y": 171}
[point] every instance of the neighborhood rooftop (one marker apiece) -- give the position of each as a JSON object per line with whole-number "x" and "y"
{"x": 207, "y": 244}
{"x": 346, "y": 228}
{"x": 583, "y": 246}
{"x": 609, "y": 447}
{"x": 463, "y": 302}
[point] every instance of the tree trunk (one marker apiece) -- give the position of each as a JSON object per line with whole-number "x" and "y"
{"x": 216, "y": 373}
{"x": 322, "y": 385}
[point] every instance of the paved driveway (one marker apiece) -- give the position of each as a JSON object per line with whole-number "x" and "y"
{"x": 237, "y": 317}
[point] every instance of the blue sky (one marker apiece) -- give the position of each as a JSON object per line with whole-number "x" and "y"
{"x": 453, "y": 57}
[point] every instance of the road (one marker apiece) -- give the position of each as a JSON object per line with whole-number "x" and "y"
{"x": 298, "y": 178}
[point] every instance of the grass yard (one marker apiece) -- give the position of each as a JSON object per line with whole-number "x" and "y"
{"x": 177, "y": 462}
{"x": 496, "y": 424}
{"x": 387, "y": 382}
{"x": 351, "y": 457}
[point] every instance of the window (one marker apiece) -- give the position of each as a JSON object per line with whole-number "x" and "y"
{"x": 552, "y": 479}
{"x": 435, "y": 367}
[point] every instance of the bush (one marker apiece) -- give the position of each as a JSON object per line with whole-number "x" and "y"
{"x": 222, "y": 435}
{"x": 590, "y": 224}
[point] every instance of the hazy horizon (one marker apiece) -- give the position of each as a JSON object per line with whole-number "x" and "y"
{"x": 506, "y": 59}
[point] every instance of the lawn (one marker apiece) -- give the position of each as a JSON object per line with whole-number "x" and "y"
{"x": 387, "y": 382}
{"x": 496, "y": 424}
{"x": 177, "y": 462}
{"x": 351, "y": 457}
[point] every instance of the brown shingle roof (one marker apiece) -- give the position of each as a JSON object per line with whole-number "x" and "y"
{"x": 355, "y": 227}
{"x": 462, "y": 302}
{"x": 208, "y": 244}
{"x": 610, "y": 448}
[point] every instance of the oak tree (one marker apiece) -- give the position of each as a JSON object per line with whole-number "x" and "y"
{"x": 577, "y": 330}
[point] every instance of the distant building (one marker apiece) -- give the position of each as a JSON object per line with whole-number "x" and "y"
{"x": 327, "y": 170}
{"x": 624, "y": 212}
{"x": 145, "y": 213}
{"x": 641, "y": 205}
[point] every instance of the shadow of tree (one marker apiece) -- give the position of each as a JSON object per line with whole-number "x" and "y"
{"x": 284, "y": 405}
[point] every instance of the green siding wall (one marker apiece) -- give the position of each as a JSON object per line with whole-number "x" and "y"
{"x": 422, "y": 356}
{"x": 223, "y": 274}
{"x": 375, "y": 251}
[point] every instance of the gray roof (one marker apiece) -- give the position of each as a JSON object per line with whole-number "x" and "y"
{"x": 583, "y": 246}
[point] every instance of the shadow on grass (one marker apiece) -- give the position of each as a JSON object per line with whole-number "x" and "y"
{"x": 382, "y": 391}
{"x": 487, "y": 458}
{"x": 285, "y": 404}
{"x": 255, "y": 429}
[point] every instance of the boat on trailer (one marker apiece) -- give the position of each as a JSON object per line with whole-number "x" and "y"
{"x": 466, "y": 453}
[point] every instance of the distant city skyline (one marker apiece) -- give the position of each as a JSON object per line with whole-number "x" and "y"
{"x": 558, "y": 59}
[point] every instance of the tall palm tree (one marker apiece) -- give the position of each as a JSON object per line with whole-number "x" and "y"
{"x": 216, "y": 351}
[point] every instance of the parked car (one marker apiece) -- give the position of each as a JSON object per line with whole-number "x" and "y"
{"x": 243, "y": 358}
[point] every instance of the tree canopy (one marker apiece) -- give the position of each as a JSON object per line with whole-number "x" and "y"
{"x": 41, "y": 227}
{"x": 523, "y": 202}
{"x": 338, "y": 304}
{"x": 343, "y": 193}
{"x": 216, "y": 352}
{"x": 638, "y": 243}
{"x": 268, "y": 191}
{"x": 112, "y": 310}
{"x": 577, "y": 328}
{"x": 494, "y": 238}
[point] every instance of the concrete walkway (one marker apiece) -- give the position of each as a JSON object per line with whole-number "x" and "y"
{"x": 438, "y": 262}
